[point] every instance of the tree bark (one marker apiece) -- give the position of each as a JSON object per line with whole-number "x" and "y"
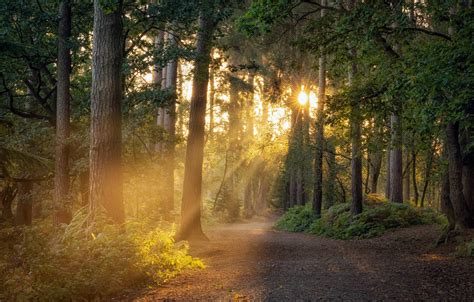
{"x": 318, "y": 158}
{"x": 170, "y": 127}
{"x": 159, "y": 84}
{"x": 406, "y": 177}
{"x": 356, "y": 152}
{"x": 106, "y": 135}
{"x": 62, "y": 211}
{"x": 396, "y": 160}
{"x": 190, "y": 227}
{"x": 446, "y": 205}
{"x": 413, "y": 177}
{"x": 462, "y": 215}
{"x": 387, "y": 183}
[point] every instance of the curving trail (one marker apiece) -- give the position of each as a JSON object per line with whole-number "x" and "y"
{"x": 251, "y": 261}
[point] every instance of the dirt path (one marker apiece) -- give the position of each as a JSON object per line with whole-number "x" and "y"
{"x": 251, "y": 261}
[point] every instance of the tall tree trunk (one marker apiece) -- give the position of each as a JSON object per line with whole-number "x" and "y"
{"x": 406, "y": 177}
{"x": 159, "y": 84}
{"x": 248, "y": 200}
{"x": 413, "y": 177}
{"x": 332, "y": 173}
{"x": 387, "y": 182}
{"x": 318, "y": 158}
{"x": 170, "y": 127}
{"x": 456, "y": 195}
{"x": 396, "y": 160}
{"x": 446, "y": 206}
{"x": 356, "y": 161}
{"x": 429, "y": 164}
{"x": 62, "y": 211}
{"x": 190, "y": 227}
{"x": 106, "y": 119}
{"x": 212, "y": 96}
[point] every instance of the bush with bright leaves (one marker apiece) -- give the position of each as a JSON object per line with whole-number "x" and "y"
{"x": 83, "y": 262}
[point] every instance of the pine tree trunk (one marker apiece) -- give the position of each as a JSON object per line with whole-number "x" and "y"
{"x": 413, "y": 177}
{"x": 446, "y": 205}
{"x": 406, "y": 177}
{"x": 106, "y": 118}
{"x": 170, "y": 127}
{"x": 158, "y": 84}
{"x": 387, "y": 182}
{"x": 332, "y": 174}
{"x": 463, "y": 218}
{"x": 62, "y": 211}
{"x": 318, "y": 158}
{"x": 356, "y": 154}
{"x": 396, "y": 161}
{"x": 190, "y": 228}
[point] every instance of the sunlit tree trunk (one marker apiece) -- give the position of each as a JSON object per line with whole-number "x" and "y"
{"x": 62, "y": 211}
{"x": 248, "y": 200}
{"x": 190, "y": 227}
{"x": 212, "y": 95}
{"x": 446, "y": 205}
{"x": 158, "y": 82}
{"x": 106, "y": 135}
{"x": 170, "y": 128}
{"x": 318, "y": 157}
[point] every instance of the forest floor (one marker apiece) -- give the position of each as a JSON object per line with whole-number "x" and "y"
{"x": 251, "y": 261}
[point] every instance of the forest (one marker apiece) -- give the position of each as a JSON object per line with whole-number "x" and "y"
{"x": 236, "y": 150}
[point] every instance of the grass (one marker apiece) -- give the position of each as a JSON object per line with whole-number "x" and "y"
{"x": 338, "y": 222}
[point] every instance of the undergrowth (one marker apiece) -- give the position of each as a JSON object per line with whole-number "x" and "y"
{"x": 82, "y": 262}
{"x": 338, "y": 222}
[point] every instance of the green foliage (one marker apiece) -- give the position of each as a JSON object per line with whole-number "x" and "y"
{"x": 296, "y": 219}
{"x": 466, "y": 249}
{"x": 338, "y": 222}
{"x": 89, "y": 262}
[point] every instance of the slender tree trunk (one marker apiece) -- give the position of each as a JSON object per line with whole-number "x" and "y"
{"x": 106, "y": 118}
{"x": 158, "y": 84}
{"x": 429, "y": 164}
{"x": 356, "y": 161}
{"x": 332, "y": 174}
{"x": 212, "y": 95}
{"x": 190, "y": 227}
{"x": 62, "y": 211}
{"x": 248, "y": 200}
{"x": 396, "y": 160}
{"x": 406, "y": 177}
{"x": 415, "y": 185}
{"x": 318, "y": 159}
{"x": 170, "y": 127}
{"x": 456, "y": 195}
{"x": 387, "y": 183}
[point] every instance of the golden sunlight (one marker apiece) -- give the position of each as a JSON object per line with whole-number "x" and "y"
{"x": 302, "y": 96}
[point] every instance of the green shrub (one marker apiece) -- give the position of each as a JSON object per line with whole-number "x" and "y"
{"x": 465, "y": 249}
{"x": 338, "y": 222}
{"x": 296, "y": 219}
{"x": 77, "y": 263}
